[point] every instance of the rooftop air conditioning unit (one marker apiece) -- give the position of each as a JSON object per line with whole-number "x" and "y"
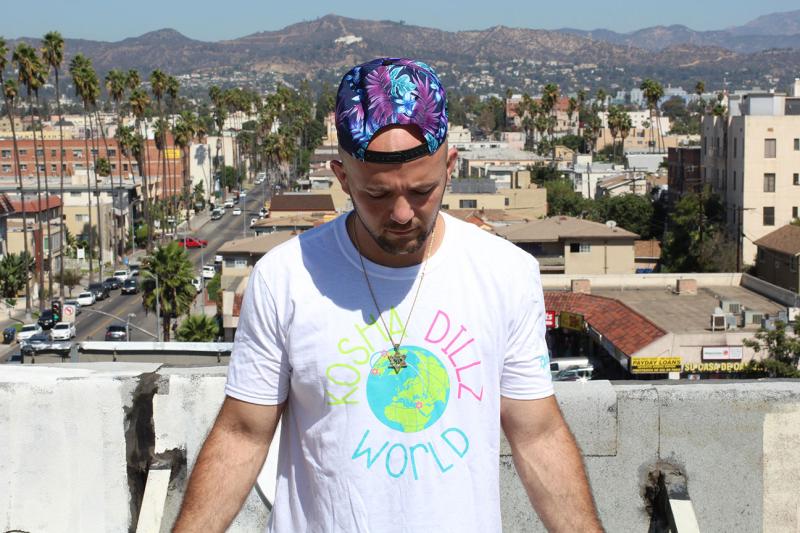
{"x": 731, "y": 321}
{"x": 717, "y": 322}
{"x": 793, "y": 313}
{"x": 753, "y": 317}
{"x": 731, "y": 306}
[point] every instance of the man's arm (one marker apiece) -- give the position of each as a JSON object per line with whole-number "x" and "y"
{"x": 227, "y": 465}
{"x": 549, "y": 464}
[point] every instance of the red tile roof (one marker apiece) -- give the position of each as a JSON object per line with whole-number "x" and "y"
{"x": 32, "y": 204}
{"x": 625, "y": 328}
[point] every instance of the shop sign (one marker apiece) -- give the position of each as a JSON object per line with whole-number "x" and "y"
{"x": 655, "y": 365}
{"x": 550, "y": 319}
{"x": 722, "y": 353}
{"x": 714, "y": 367}
{"x": 574, "y": 321}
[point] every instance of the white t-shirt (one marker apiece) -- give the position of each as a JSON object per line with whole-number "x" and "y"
{"x": 365, "y": 448}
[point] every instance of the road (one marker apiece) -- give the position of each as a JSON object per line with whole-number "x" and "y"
{"x": 92, "y": 326}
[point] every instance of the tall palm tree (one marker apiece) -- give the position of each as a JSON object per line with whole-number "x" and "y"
{"x": 171, "y": 88}
{"x": 175, "y": 293}
{"x": 183, "y": 134}
{"x": 30, "y": 73}
{"x": 53, "y": 55}
{"x": 220, "y": 114}
{"x": 158, "y": 86}
{"x": 10, "y": 93}
{"x": 653, "y": 91}
{"x": 115, "y": 86}
{"x": 139, "y": 102}
{"x": 82, "y": 72}
{"x": 625, "y": 124}
{"x": 699, "y": 89}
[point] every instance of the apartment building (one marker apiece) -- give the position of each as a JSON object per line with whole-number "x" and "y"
{"x": 752, "y": 160}
{"x": 43, "y": 241}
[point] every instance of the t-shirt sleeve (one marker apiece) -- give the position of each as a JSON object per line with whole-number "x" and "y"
{"x": 526, "y": 367}
{"x": 259, "y": 368}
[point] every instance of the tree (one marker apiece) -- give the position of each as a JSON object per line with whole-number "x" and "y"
{"x": 653, "y": 91}
{"x": 14, "y": 270}
{"x": 563, "y": 200}
{"x": 198, "y": 328}
{"x": 53, "y": 56}
{"x": 69, "y": 278}
{"x": 139, "y": 102}
{"x": 782, "y": 350}
{"x": 630, "y": 211}
{"x": 10, "y": 93}
{"x": 115, "y": 81}
{"x": 175, "y": 293}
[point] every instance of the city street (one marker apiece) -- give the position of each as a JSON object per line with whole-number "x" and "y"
{"x": 92, "y": 326}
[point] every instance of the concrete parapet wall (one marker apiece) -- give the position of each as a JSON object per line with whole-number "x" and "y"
{"x": 641, "y": 281}
{"x": 70, "y": 438}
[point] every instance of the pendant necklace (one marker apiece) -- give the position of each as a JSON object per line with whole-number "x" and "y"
{"x": 396, "y": 359}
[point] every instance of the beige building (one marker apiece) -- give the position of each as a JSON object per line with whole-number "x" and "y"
{"x": 752, "y": 160}
{"x": 778, "y": 257}
{"x": 301, "y": 204}
{"x": 567, "y": 245}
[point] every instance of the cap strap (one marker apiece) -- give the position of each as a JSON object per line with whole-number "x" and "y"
{"x": 402, "y": 156}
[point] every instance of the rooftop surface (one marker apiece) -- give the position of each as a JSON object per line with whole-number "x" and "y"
{"x": 555, "y": 228}
{"x": 687, "y": 313}
{"x": 785, "y": 240}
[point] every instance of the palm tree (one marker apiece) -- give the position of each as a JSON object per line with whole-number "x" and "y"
{"x": 30, "y": 73}
{"x": 171, "y": 89}
{"x": 175, "y": 292}
{"x": 139, "y": 102}
{"x": 115, "y": 86}
{"x": 699, "y": 89}
{"x": 183, "y": 134}
{"x": 53, "y": 55}
{"x": 10, "y": 93}
{"x": 613, "y": 126}
{"x": 82, "y": 72}
{"x": 625, "y": 124}
{"x": 158, "y": 86}
{"x": 198, "y": 328}
{"x": 653, "y": 91}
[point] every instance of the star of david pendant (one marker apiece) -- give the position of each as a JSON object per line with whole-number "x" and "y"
{"x": 397, "y": 360}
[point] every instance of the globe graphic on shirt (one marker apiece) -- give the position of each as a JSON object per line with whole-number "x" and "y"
{"x": 413, "y": 398}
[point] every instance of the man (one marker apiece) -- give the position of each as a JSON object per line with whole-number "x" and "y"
{"x": 393, "y": 340}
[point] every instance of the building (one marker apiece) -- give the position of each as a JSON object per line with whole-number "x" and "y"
{"x": 497, "y": 163}
{"x": 627, "y": 183}
{"x": 43, "y": 217}
{"x": 778, "y": 257}
{"x": 5, "y": 209}
{"x": 647, "y": 256}
{"x": 751, "y": 159}
{"x": 683, "y": 174}
{"x": 567, "y": 245}
{"x": 301, "y": 204}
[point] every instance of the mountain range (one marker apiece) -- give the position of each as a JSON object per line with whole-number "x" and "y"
{"x": 767, "y": 47}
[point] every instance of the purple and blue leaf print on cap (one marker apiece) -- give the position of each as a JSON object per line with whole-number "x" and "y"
{"x": 385, "y": 92}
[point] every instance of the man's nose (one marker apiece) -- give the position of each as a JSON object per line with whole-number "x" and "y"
{"x": 401, "y": 211}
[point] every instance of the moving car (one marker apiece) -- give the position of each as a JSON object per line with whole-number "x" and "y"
{"x": 121, "y": 275}
{"x": 86, "y": 298}
{"x": 46, "y": 319}
{"x": 41, "y": 342}
{"x": 63, "y": 331}
{"x": 228, "y": 202}
{"x": 237, "y": 211}
{"x": 112, "y": 283}
{"x": 116, "y": 332}
{"x": 130, "y": 287}
{"x": 134, "y": 270}
{"x": 209, "y": 271}
{"x": 99, "y": 290}
{"x": 217, "y": 213}
{"x": 575, "y": 373}
{"x": 191, "y": 242}
{"x": 28, "y": 331}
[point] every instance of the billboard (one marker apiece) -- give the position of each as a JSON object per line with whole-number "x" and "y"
{"x": 655, "y": 365}
{"x": 722, "y": 353}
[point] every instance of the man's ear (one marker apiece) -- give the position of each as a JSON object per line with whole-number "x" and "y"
{"x": 341, "y": 174}
{"x": 452, "y": 160}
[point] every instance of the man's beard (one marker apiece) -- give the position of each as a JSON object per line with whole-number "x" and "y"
{"x": 393, "y": 248}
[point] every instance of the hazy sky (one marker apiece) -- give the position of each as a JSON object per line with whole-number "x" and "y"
{"x": 112, "y": 20}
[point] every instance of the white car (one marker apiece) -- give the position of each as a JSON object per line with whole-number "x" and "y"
{"x": 228, "y": 203}
{"x": 62, "y": 331}
{"x": 237, "y": 211}
{"x": 28, "y": 331}
{"x": 253, "y": 222}
{"x": 198, "y": 283}
{"x": 86, "y": 298}
{"x": 209, "y": 271}
{"x": 121, "y": 275}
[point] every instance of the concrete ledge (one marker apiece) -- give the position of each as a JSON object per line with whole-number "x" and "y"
{"x": 71, "y": 434}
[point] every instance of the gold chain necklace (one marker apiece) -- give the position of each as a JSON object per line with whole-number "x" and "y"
{"x": 396, "y": 359}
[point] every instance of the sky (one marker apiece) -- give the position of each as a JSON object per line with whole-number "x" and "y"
{"x": 213, "y": 20}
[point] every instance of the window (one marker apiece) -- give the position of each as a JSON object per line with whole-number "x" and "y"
{"x": 769, "y": 182}
{"x": 797, "y": 145}
{"x": 53, "y": 167}
{"x": 81, "y": 218}
{"x": 6, "y": 169}
{"x": 579, "y": 248}
{"x": 794, "y": 212}
{"x": 468, "y": 204}
{"x": 75, "y": 194}
{"x": 125, "y": 166}
{"x": 111, "y": 152}
{"x": 94, "y": 152}
{"x": 6, "y": 154}
{"x": 77, "y": 154}
{"x": 506, "y": 201}
{"x": 53, "y": 152}
{"x": 734, "y": 147}
{"x": 796, "y": 179}
{"x": 768, "y": 216}
{"x": 39, "y": 152}
{"x": 445, "y": 206}
{"x": 769, "y": 148}
{"x": 734, "y": 180}
{"x": 793, "y": 264}
{"x": 78, "y": 166}
{"x": 23, "y": 168}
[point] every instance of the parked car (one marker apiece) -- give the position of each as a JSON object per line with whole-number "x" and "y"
{"x": 217, "y": 213}
{"x": 263, "y": 212}
{"x": 237, "y": 211}
{"x": 575, "y": 373}
{"x": 112, "y": 284}
{"x": 133, "y": 269}
{"x": 46, "y": 319}
{"x": 63, "y": 331}
{"x": 74, "y": 302}
{"x": 558, "y": 364}
{"x": 86, "y": 298}
{"x": 253, "y": 222}
{"x": 198, "y": 283}
{"x": 9, "y": 334}
{"x": 209, "y": 271}
{"x": 116, "y": 332}
{"x": 28, "y": 331}
{"x": 43, "y": 343}
{"x": 121, "y": 275}
{"x": 130, "y": 287}
{"x": 191, "y": 242}
{"x": 217, "y": 260}
{"x": 228, "y": 203}
{"x": 99, "y": 290}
